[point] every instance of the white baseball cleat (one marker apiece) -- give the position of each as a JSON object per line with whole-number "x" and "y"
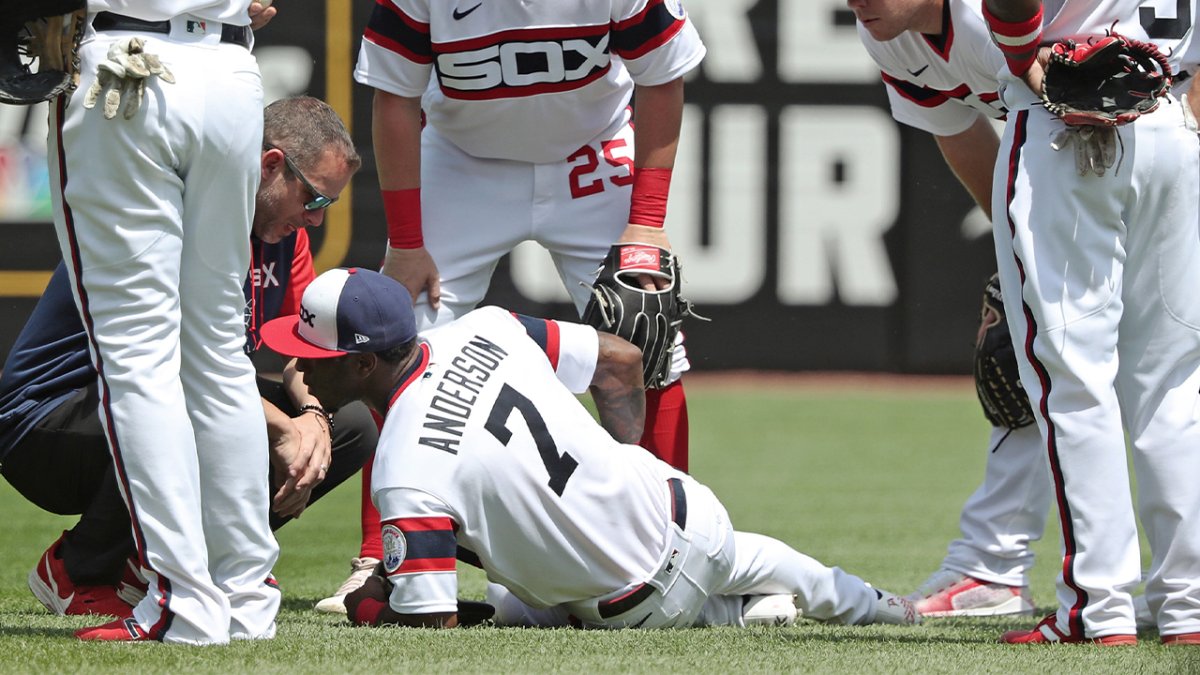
{"x": 769, "y": 610}
{"x": 360, "y": 570}
{"x": 950, "y": 593}
{"x": 893, "y": 609}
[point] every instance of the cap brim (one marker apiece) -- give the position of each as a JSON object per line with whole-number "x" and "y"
{"x": 281, "y": 335}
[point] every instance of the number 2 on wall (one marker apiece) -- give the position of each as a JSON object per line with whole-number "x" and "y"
{"x": 560, "y": 467}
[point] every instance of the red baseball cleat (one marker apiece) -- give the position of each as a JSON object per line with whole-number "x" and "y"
{"x": 1181, "y": 639}
{"x": 52, "y": 586}
{"x": 121, "y": 630}
{"x": 949, "y": 593}
{"x": 1047, "y": 633}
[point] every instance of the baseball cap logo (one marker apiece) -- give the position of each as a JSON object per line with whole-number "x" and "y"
{"x": 306, "y": 317}
{"x": 359, "y": 338}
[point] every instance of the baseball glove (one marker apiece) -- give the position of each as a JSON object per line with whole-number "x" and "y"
{"x": 1106, "y": 82}
{"x": 48, "y": 31}
{"x": 997, "y": 382}
{"x": 648, "y": 319}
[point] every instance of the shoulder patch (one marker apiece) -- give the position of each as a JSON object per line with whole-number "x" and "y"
{"x": 395, "y": 548}
{"x": 675, "y": 7}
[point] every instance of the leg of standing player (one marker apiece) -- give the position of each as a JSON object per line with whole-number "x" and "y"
{"x": 1106, "y": 315}
{"x": 157, "y": 260}
{"x": 986, "y": 570}
{"x": 585, "y": 212}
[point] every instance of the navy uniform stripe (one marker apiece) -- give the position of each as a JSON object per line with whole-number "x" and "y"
{"x": 922, "y": 96}
{"x": 636, "y": 36}
{"x": 430, "y": 544}
{"x": 388, "y": 27}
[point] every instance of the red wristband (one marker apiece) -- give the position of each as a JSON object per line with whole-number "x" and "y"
{"x": 368, "y": 611}
{"x": 1018, "y": 40}
{"x": 648, "y": 204}
{"x": 402, "y": 208}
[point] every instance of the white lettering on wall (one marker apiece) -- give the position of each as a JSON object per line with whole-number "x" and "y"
{"x": 839, "y": 193}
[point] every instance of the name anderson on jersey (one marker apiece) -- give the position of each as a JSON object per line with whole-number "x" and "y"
{"x": 458, "y": 390}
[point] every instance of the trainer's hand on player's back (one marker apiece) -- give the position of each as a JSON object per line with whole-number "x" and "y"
{"x": 414, "y": 268}
{"x": 643, "y": 234}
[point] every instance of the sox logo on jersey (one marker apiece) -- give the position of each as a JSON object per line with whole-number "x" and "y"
{"x": 519, "y": 63}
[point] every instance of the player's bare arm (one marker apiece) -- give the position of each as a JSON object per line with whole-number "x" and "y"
{"x": 972, "y": 156}
{"x": 657, "y": 118}
{"x": 368, "y": 606}
{"x": 617, "y": 389}
{"x": 396, "y": 133}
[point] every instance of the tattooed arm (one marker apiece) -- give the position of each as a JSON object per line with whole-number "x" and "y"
{"x": 617, "y": 389}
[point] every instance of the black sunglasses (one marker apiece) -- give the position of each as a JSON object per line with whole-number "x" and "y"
{"x": 319, "y": 200}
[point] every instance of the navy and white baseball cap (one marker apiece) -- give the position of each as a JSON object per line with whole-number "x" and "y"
{"x": 344, "y": 311}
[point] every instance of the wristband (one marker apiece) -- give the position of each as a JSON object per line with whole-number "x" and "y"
{"x": 402, "y": 208}
{"x": 1018, "y": 40}
{"x": 648, "y": 203}
{"x": 368, "y": 611}
{"x": 319, "y": 412}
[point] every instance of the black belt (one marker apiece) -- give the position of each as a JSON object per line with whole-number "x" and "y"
{"x": 237, "y": 35}
{"x": 624, "y": 603}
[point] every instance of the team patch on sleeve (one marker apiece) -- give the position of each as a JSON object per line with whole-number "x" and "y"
{"x": 650, "y": 28}
{"x": 544, "y": 333}
{"x": 413, "y": 545}
{"x": 390, "y": 28}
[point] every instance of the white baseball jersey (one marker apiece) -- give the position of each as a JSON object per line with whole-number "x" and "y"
{"x": 941, "y": 83}
{"x": 551, "y": 76}
{"x": 1166, "y": 23}
{"x": 226, "y": 11}
{"x": 484, "y": 446}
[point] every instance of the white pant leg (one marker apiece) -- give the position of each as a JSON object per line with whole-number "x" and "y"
{"x": 219, "y": 380}
{"x": 511, "y": 611}
{"x": 1064, "y": 253}
{"x": 121, "y": 226}
{"x": 1159, "y": 376}
{"x": 763, "y": 566}
{"x": 1006, "y": 512}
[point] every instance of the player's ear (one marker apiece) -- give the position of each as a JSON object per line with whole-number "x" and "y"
{"x": 272, "y": 162}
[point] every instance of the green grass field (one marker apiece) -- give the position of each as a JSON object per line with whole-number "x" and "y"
{"x": 869, "y": 477}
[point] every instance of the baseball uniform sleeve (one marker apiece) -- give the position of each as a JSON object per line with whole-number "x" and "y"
{"x": 573, "y": 349}
{"x": 396, "y": 54}
{"x": 301, "y": 276}
{"x": 927, "y": 109}
{"x": 418, "y": 551}
{"x": 655, "y": 39}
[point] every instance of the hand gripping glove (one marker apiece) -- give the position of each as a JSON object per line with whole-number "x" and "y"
{"x": 123, "y": 74}
{"x": 648, "y": 319}
{"x": 1106, "y": 82}
{"x": 48, "y": 31}
{"x": 997, "y": 382}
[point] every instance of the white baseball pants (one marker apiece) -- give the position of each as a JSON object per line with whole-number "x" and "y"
{"x": 153, "y": 219}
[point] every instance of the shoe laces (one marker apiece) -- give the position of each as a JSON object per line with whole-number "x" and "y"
{"x": 361, "y": 569}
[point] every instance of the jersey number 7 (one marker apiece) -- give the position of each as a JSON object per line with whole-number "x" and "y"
{"x": 560, "y": 467}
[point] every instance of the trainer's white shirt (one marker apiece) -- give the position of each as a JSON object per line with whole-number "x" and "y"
{"x": 226, "y": 11}
{"x": 942, "y": 84}
{"x": 485, "y": 447}
{"x": 525, "y": 81}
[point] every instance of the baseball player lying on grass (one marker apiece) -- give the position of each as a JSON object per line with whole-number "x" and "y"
{"x": 486, "y": 455}
{"x": 51, "y": 436}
